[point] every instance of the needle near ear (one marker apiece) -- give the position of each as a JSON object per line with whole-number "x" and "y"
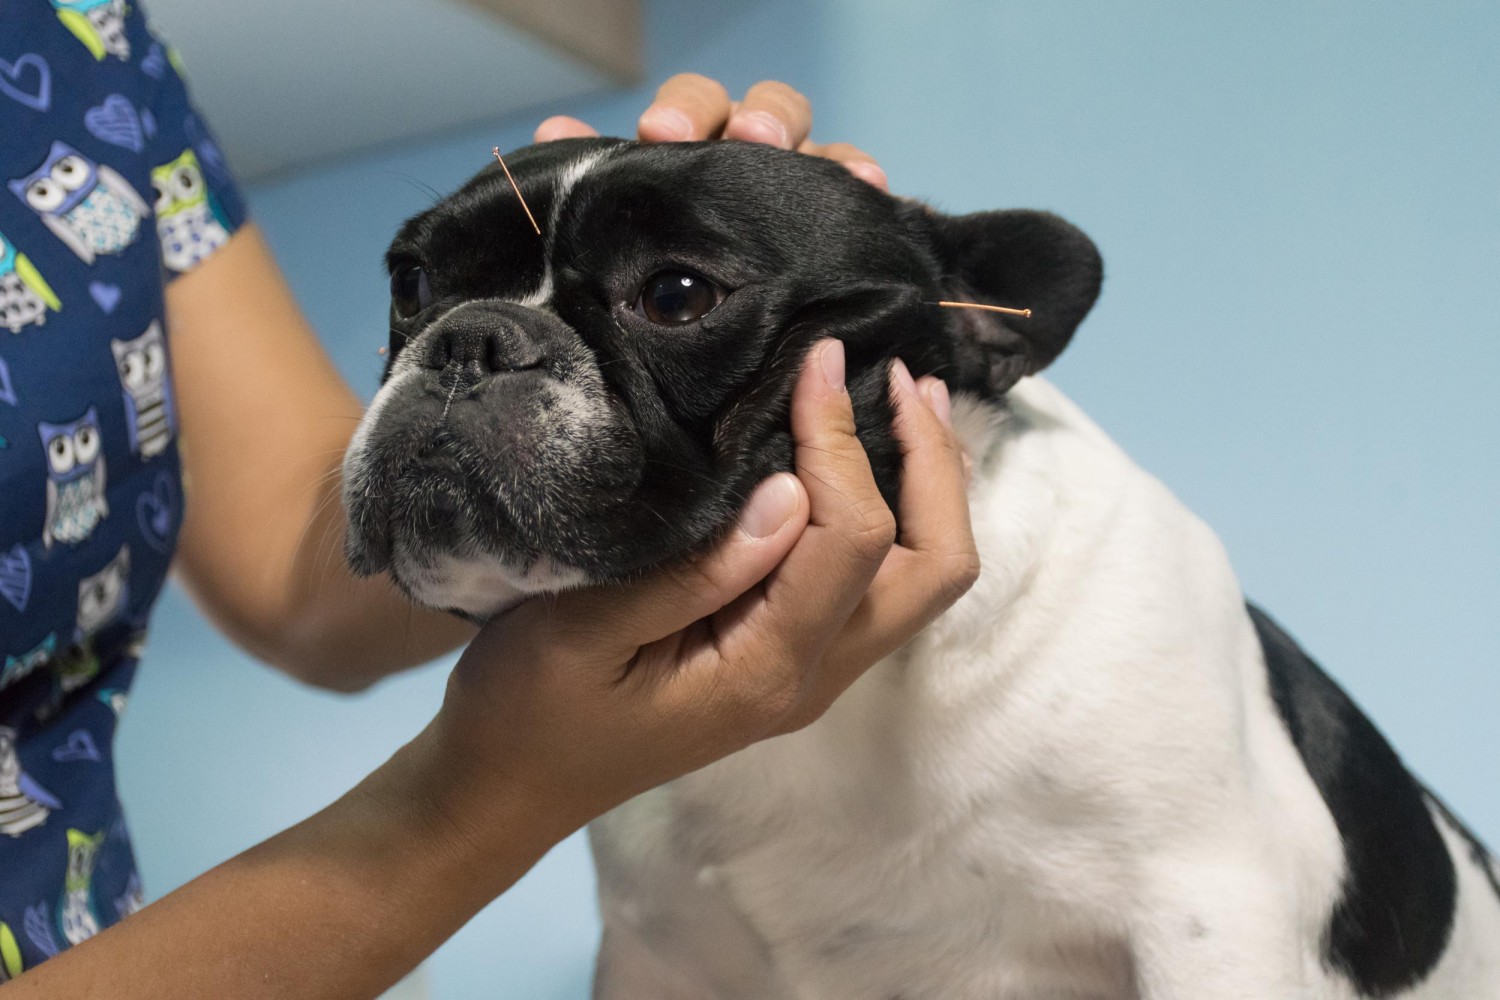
{"x": 1023, "y": 313}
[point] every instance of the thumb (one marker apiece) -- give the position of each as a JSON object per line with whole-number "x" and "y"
{"x": 670, "y": 599}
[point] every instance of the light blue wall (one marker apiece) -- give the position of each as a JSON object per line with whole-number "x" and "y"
{"x": 1299, "y": 209}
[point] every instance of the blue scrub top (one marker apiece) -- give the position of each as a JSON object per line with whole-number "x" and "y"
{"x": 110, "y": 186}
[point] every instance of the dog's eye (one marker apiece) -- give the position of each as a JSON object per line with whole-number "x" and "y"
{"x": 410, "y": 293}
{"x": 673, "y": 298}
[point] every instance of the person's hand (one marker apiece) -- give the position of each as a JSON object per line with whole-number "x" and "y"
{"x": 587, "y": 699}
{"x": 691, "y": 107}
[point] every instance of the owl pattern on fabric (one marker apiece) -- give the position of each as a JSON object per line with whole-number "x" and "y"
{"x": 85, "y": 385}
{"x": 102, "y": 596}
{"x": 115, "y": 699}
{"x": 11, "y": 963}
{"x": 132, "y": 899}
{"x": 187, "y": 223}
{"x": 76, "y": 917}
{"x": 150, "y": 415}
{"x": 76, "y": 500}
{"x": 90, "y": 207}
{"x": 25, "y": 296}
{"x": 18, "y": 668}
{"x": 98, "y": 24}
{"x": 102, "y": 599}
{"x": 23, "y": 804}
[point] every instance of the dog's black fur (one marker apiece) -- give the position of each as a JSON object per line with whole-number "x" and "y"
{"x": 696, "y": 420}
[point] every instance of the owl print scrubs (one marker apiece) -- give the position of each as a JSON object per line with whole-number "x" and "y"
{"x": 110, "y": 186}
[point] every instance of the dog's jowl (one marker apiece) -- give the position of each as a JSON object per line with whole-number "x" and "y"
{"x": 1099, "y": 775}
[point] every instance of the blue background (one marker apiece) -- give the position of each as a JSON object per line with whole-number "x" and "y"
{"x": 1299, "y": 210}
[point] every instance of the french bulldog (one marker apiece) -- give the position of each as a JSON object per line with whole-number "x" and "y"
{"x": 1101, "y": 774}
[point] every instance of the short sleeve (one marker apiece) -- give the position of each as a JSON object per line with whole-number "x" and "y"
{"x": 198, "y": 205}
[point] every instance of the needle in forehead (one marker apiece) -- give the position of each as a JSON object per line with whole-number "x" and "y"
{"x": 516, "y": 188}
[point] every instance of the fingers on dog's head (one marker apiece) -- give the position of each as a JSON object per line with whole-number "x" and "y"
{"x": 688, "y": 106}
{"x": 772, "y": 113}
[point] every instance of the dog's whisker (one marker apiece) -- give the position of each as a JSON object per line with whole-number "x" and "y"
{"x": 324, "y": 544}
{"x": 420, "y": 185}
{"x": 448, "y": 403}
{"x": 662, "y": 463}
{"x": 655, "y": 513}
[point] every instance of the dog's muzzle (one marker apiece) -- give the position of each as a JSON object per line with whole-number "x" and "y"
{"x": 486, "y": 468}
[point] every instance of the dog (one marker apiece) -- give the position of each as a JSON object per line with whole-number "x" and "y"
{"x": 1100, "y": 774}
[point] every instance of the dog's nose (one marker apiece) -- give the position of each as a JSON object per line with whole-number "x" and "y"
{"x": 481, "y": 349}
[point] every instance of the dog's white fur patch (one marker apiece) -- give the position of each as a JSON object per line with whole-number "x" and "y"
{"x": 542, "y": 297}
{"x": 483, "y": 586}
{"x": 567, "y": 179}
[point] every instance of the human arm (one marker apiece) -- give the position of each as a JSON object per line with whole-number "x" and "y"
{"x": 262, "y": 541}
{"x": 561, "y": 710}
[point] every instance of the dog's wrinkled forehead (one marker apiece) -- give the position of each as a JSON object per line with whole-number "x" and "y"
{"x": 602, "y": 203}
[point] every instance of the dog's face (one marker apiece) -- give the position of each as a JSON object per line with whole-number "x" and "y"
{"x": 583, "y": 405}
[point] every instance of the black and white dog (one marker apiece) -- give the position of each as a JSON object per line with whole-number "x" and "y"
{"x": 1099, "y": 775}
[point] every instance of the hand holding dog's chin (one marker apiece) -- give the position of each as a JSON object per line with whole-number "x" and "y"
{"x": 690, "y": 107}
{"x": 571, "y": 705}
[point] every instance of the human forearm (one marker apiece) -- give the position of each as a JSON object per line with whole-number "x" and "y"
{"x": 340, "y": 906}
{"x": 342, "y": 632}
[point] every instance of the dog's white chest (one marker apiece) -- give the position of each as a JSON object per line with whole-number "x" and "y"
{"x": 806, "y": 869}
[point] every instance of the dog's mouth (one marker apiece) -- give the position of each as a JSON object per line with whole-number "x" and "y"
{"x": 460, "y": 525}
{"x": 450, "y": 541}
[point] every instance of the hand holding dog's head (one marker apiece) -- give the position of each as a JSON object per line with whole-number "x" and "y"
{"x": 581, "y": 406}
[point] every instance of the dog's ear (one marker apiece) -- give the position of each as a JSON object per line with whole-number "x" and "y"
{"x": 1024, "y": 260}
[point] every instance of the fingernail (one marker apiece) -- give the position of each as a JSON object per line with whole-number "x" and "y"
{"x": 761, "y": 126}
{"x": 667, "y": 124}
{"x": 937, "y": 399}
{"x": 771, "y": 505}
{"x": 869, "y": 172}
{"x": 903, "y": 378}
{"x": 831, "y": 357}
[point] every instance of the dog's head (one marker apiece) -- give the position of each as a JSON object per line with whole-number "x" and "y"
{"x": 580, "y": 406}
